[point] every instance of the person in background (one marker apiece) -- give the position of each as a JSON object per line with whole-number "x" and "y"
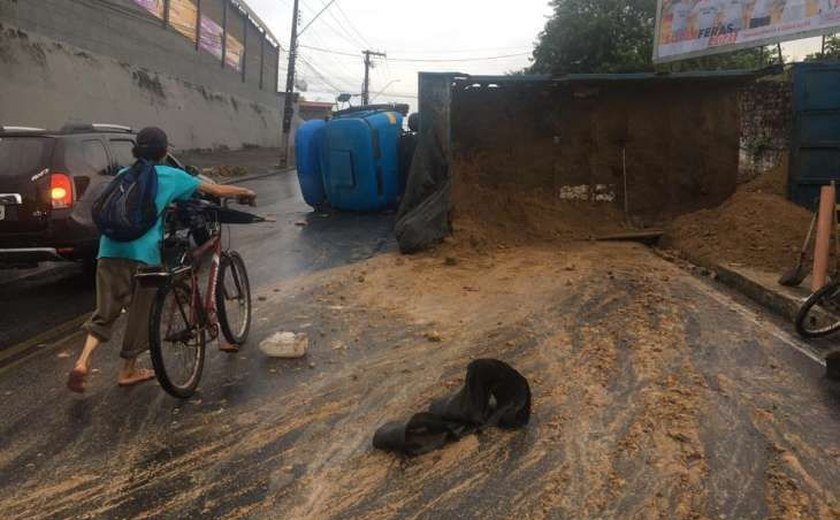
{"x": 118, "y": 262}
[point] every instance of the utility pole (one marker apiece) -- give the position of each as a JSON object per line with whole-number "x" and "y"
{"x": 290, "y": 85}
{"x": 368, "y": 65}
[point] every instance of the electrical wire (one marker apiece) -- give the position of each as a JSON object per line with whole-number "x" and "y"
{"x": 339, "y": 32}
{"x": 424, "y": 60}
{"x": 352, "y": 26}
{"x": 335, "y": 62}
{"x": 318, "y": 73}
{"x": 344, "y": 81}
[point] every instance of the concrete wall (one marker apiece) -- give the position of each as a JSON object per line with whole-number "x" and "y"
{"x": 122, "y": 37}
{"x": 565, "y": 140}
{"x": 252, "y": 55}
{"x": 124, "y": 31}
{"x": 47, "y": 83}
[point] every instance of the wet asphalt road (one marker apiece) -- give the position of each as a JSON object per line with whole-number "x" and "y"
{"x": 285, "y": 439}
{"x": 37, "y": 303}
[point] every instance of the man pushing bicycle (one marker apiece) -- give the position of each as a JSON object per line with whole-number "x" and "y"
{"x": 130, "y": 216}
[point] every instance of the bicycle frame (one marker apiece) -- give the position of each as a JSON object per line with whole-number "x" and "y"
{"x": 207, "y": 314}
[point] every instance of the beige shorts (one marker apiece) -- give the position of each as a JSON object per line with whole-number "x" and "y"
{"x": 116, "y": 290}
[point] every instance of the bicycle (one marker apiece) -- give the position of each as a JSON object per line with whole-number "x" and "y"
{"x": 819, "y": 316}
{"x": 182, "y": 317}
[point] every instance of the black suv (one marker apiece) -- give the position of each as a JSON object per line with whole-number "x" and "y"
{"x": 48, "y": 182}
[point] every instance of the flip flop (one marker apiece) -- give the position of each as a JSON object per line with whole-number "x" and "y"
{"x": 76, "y": 381}
{"x": 141, "y": 376}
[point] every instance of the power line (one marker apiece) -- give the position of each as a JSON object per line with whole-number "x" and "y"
{"x": 352, "y": 26}
{"x": 334, "y": 61}
{"x": 331, "y": 2}
{"x": 423, "y": 60}
{"x": 320, "y": 75}
{"x": 483, "y": 58}
{"x": 398, "y": 96}
{"x": 338, "y": 53}
{"x": 340, "y": 31}
{"x": 345, "y": 81}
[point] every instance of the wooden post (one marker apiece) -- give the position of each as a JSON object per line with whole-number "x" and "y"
{"x": 822, "y": 246}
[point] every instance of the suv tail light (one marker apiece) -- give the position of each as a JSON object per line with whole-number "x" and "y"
{"x": 61, "y": 190}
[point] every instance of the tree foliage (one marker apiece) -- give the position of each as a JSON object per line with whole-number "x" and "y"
{"x": 831, "y": 50}
{"x": 614, "y": 36}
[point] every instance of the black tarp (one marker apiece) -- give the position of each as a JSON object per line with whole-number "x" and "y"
{"x": 424, "y": 217}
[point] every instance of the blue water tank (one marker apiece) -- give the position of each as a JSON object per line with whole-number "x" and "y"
{"x": 360, "y": 160}
{"x": 308, "y": 141}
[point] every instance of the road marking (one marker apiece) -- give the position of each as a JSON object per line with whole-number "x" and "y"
{"x": 751, "y": 315}
{"x": 49, "y": 336}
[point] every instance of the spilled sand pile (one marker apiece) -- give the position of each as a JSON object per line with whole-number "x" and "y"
{"x": 497, "y": 211}
{"x": 756, "y": 227}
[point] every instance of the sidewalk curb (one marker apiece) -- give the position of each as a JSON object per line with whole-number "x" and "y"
{"x": 247, "y": 178}
{"x": 785, "y": 306}
{"x": 770, "y": 298}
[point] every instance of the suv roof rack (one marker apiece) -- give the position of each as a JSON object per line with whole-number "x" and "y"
{"x": 9, "y": 129}
{"x": 110, "y": 127}
{"x": 79, "y": 128}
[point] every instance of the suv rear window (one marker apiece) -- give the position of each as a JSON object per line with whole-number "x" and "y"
{"x": 86, "y": 158}
{"x": 23, "y": 155}
{"x": 121, "y": 151}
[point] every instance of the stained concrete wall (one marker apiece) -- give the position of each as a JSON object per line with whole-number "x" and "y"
{"x": 47, "y": 83}
{"x": 565, "y": 140}
{"x": 252, "y": 55}
{"x": 122, "y": 33}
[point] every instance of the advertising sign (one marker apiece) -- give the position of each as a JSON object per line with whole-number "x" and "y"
{"x": 691, "y": 28}
{"x": 234, "y": 52}
{"x": 153, "y": 6}
{"x": 183, "y": 16}
{"x": 211, "y": 37}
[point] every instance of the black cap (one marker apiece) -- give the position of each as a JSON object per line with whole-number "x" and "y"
{"x": 152, "y": 144}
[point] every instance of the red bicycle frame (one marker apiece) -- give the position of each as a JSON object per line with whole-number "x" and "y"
{"x": 208, "y": 316}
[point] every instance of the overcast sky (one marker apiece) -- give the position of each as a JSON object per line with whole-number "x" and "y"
{"x": 413, "y": 30}
{"x": 405, "y": 30}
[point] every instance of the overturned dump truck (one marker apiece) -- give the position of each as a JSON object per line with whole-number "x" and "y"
{"x": 357, "y": 160}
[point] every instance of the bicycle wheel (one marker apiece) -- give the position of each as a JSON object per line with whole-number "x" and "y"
{"x": 819, "y": 316}
{"x": 176, "y": 340}
{"x": 233, "y": 298}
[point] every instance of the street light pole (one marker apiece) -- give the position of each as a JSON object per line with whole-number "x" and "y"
{"x": 368, "y": 65}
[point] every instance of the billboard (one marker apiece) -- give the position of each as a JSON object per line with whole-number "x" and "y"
{"x": 691, "y": 28}
{"x": 183, "y": 16}
{"x": 153, "y": 6}
{"x": 234, "y": 52}
{"x": 211, "y": 37}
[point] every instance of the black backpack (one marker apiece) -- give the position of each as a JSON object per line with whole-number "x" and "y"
{"x": 126, "y": 210}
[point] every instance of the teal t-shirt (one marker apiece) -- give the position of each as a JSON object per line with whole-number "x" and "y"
{"x": 173, "y": 184}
